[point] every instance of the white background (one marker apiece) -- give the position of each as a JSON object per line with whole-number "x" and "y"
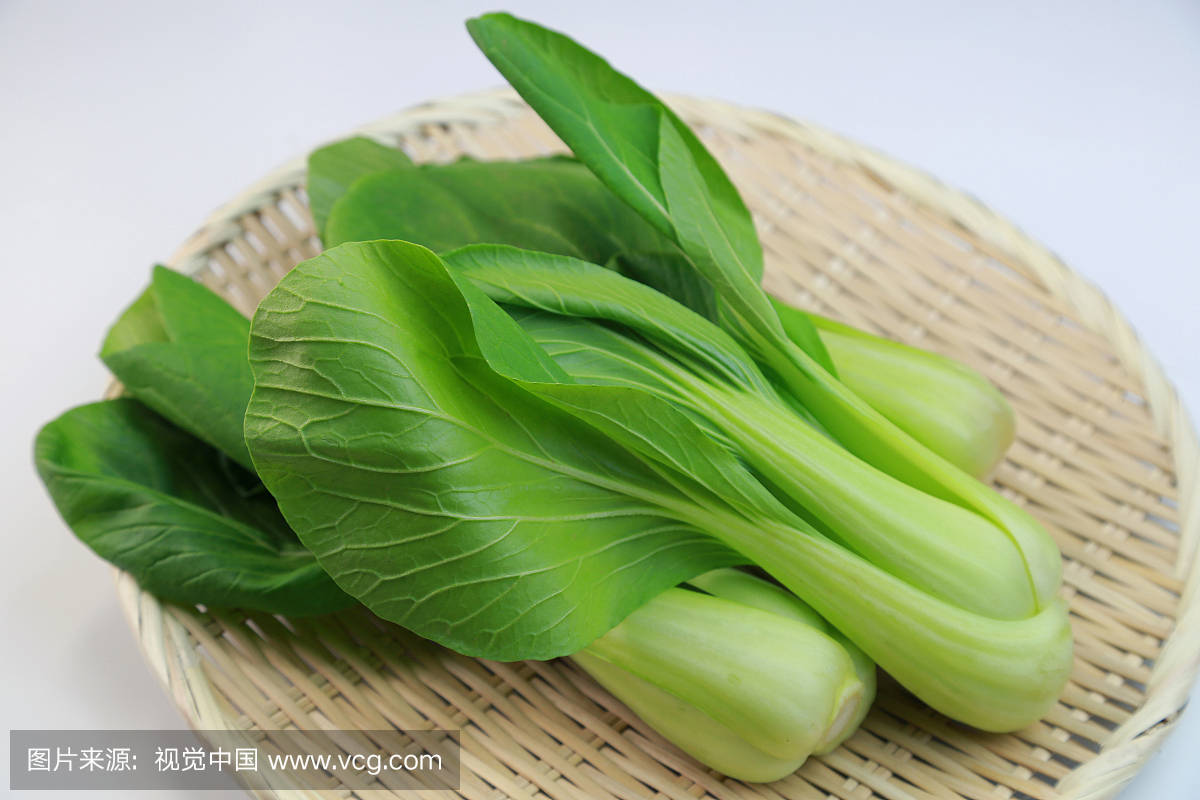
{"x": 122, "y": 124}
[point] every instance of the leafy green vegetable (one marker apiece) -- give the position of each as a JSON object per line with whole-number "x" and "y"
{"x": 554, "y": 205}
{"x": 189, "y": 524}
{"x": 448, "y": 473}
{"x": 665, "y": 349}
{"x": 175, "y": 511}
{"x": 333, "y": 168}
{"x": 747, "y": 691}
{"x": 514, "y": 481}
{"x": 181, "y": 350}
{"x": 649, "y": 159}
{"x": 609, "y": 122}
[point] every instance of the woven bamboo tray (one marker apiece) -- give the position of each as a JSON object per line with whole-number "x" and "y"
{"x": 1105, "y": 457}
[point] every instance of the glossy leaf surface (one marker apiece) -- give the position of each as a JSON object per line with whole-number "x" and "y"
{"x": 189, "y": 524}
{"x": 644, "y": 153}
{"x": 448, "y": 475}
{"x": 663, "y": 348}
{"x": 440, "y": 492}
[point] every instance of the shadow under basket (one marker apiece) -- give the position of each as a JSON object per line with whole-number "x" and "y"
{"x": 1105, "y": 458}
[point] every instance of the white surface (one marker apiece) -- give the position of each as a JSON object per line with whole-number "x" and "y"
{"x": 123, "y": 124}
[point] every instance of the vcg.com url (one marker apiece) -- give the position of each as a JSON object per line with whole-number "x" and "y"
{"x": 372, "y": 764}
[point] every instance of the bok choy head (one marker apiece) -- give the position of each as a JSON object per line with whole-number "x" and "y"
{"x": 449, "y": 473}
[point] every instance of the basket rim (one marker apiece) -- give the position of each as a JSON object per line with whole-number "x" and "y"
{"x": 164, "y": 641}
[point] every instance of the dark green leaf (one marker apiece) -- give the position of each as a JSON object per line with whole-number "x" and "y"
{"x": 609, "y": 122}
{"x": 643, "y": 152}
{"x": 334, "y": 167}
{"x": 555, "y": 205}
{"x": 181, "y": 350}
{"x": 185, "y": 521}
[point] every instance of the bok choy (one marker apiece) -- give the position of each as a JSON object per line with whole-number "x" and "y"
{"x": 648, "y": 157}
{"x": 446, "y": 471}
{"x": 652, "y": 343}
{"x": 192, "y": 526}
{"x": 164, "y": 493}
{"x": 523, "y": 447}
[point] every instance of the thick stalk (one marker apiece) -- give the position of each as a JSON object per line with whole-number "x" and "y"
{"x": 949, "y": 408}
{"x": 687, "y": 727}
{"x": 741, "y": 587}
{"x": 938, "y": 547}
{"x": 975, "y": 552}
{"x": 873, "y": 438}
{"x": 781, "y": 686}
{"x": 997, "y": 675}
{"x": 943, "y": 404}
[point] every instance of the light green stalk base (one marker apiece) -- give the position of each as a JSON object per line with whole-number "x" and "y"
{"x": 741, "y": 587}
{"x": 746, "y": 691}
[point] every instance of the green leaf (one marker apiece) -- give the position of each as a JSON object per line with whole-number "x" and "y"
{"x": 332, "y": 169}
{"x": 554, "y": 204}
{"x": 725, "y": 250}
{"x": 672, "y": 274}
{"x": 720, "y": 241}
{"x": 567, "y": 286}
{"x": 140, "y": 324}
{"x": 660, "y": 347}
{"x": 181, "y": 350}
{"x": 568, "y": 86}
{"x": 600, "y": 355}
{"x": 189, "y": 524}
{"x": 443, "y": 494}
{"x": 644, "y": 153}
{"x": 609, "y": 122}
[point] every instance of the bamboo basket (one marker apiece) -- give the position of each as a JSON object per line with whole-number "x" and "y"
{"x": 1105, "y": 457}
